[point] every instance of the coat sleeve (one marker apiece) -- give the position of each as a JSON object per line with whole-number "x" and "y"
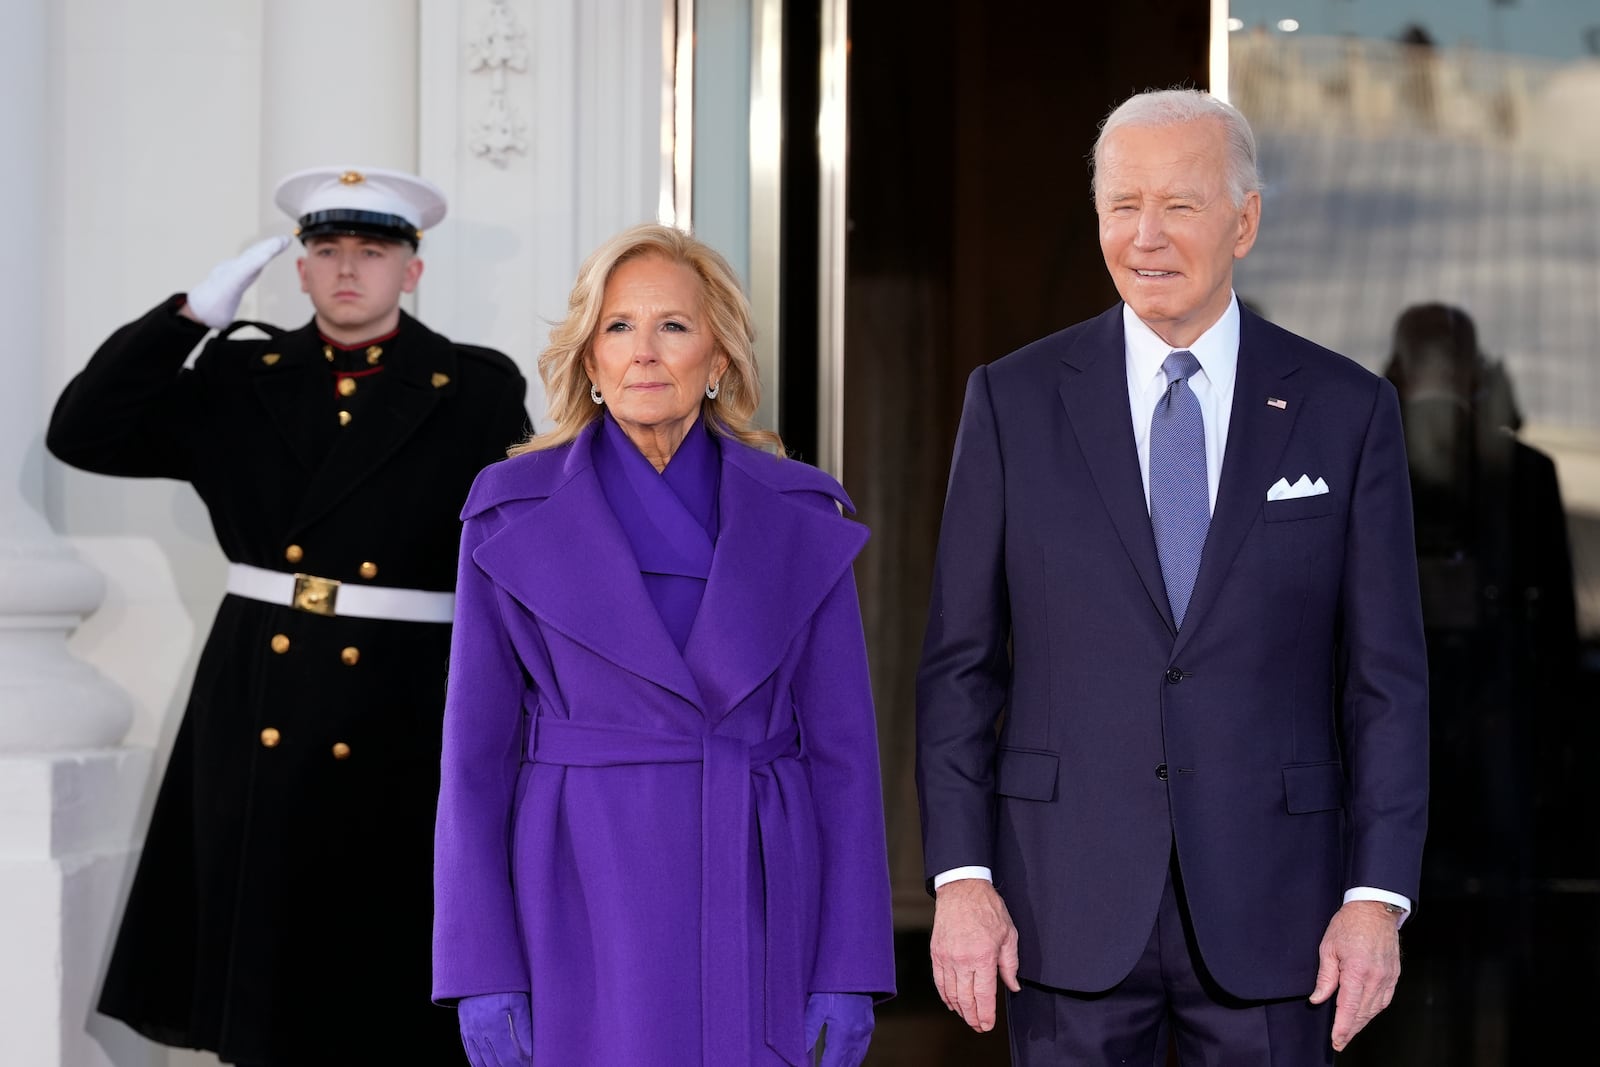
{"x": 132, "y": 411}
{"x": 1384, "y": 665}
{"x": 965, "y": 671}
{"x": 476, "y": 947}
{"x": 833, "y": 699}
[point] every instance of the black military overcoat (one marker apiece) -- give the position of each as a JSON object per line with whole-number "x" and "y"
{"x": 282, "y": 906}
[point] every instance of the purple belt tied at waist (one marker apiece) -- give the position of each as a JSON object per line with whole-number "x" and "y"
{"x": 728, "y": 782}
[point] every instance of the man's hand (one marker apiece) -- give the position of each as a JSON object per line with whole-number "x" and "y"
{"x": 1360, "y": 957}
{"x": 215, "y": 301}
{"x": 973, "y": 938}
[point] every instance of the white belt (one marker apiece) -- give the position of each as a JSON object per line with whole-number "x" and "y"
{"x": 328, "y": 596}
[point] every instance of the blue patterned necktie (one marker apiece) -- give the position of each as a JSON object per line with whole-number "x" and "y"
{"x": 1180, "y": 497}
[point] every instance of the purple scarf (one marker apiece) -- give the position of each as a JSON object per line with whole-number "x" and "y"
{"x": 670, "y": 518}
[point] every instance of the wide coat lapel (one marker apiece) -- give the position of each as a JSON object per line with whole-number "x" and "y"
{"x": 1094, "y": 390}
{"x": 778, "y": 556}
{"x": 1258, "y": 432}
{"x": 567, "y": 560}
{"x": 411, "y": 387}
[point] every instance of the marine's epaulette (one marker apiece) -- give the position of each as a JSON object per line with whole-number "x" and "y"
{"x": 786, "y": 475}
{"x": 530, "y": 476}
{"x": 490, "y": 357}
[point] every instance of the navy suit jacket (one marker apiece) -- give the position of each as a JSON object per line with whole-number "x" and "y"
{"x": 1278, "y": 742}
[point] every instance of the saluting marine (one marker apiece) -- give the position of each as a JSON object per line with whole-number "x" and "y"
{"x": 282, "y": 907}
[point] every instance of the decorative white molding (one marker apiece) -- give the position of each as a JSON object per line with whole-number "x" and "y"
{"x": 499, "y": 50}
{"x": 501, "y": 265}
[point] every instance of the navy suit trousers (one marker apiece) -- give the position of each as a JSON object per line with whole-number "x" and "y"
{"x": 1167, "y": 995}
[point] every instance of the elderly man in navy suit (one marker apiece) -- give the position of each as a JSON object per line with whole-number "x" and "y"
{"x": 1176, "y": 569}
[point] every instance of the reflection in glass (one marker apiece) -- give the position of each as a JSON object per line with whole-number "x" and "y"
{"x": 1434, "y": 205}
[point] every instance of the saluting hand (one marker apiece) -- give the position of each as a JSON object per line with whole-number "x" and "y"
{"x": 973, "y": 939}
{"x": 1360, "y": 957}
{"x": 215, "y": 301}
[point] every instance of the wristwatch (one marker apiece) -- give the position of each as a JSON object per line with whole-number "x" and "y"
{"x": 1392, "y": 908}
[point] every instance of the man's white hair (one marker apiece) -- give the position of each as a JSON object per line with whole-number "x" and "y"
{"x": 1174, "y": 107}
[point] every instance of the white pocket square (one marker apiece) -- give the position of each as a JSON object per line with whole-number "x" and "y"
{"x": 1282, "y": 490}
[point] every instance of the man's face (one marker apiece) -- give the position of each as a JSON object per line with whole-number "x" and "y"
{"x": 1168, "y": 228}
{"x": 355, "y": 284}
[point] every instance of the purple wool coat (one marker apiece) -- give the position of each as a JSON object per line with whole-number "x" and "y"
{"x": 668, "y": 851}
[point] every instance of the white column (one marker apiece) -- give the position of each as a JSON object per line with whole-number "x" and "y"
{"x": 338, "y": 88}
{"x": 67, "y": 795}
{"x": 48, "y": 700}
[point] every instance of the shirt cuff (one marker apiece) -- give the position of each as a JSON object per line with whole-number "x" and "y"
{"x": 957, "y": 873}
{"x": 1366, "y": 892}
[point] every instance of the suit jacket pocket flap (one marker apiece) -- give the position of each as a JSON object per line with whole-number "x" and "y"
{"x": 1313, "y": 787}
{"x": 1300, "y": 507}
{"x": 1027, "y": 773}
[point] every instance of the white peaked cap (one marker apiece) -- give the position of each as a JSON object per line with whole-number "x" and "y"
{"x": 360, "y": 200}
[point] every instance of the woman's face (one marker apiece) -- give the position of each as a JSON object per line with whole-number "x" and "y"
{"x": 652, "y": 354}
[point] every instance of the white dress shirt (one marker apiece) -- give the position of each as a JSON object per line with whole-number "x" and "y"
{"x": 1217, "y": 351}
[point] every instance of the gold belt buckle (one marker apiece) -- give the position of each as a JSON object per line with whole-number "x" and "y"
{"x": 316, "y": 595}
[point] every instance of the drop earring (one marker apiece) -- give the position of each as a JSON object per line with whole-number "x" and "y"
{"x": 594, "y": 394}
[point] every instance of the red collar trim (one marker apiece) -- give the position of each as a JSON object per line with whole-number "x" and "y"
{"x": 362, "y": 346}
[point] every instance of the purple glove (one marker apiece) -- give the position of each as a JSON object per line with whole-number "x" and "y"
{"x": 848, "y": 1017}
{"x": 497, "y": 1029}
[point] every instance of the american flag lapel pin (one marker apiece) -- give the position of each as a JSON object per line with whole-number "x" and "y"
{"x": 1274, "y": 402}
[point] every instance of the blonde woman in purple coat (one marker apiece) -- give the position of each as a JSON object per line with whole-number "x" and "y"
{"x": 660, "y": 835}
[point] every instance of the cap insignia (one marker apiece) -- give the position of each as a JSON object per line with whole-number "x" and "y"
{"x": 352, "y": 177}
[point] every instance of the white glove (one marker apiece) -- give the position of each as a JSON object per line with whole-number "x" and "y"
{"x": 215, "y": 301}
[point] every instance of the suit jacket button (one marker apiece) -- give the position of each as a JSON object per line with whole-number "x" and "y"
{"x": 1174, "y": 676}
{"x": 368, "y": 570}
{"x": 280, "y": 643}
{"x": 341, "y": 750}
{"x": 294, "y": 553}
{"x": 1161, "y": 771}
{"x": 270, "y": 737}
{"x": 350, "y": 656}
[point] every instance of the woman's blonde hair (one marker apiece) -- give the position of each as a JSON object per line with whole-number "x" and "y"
{"x": 566, "y": 378}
